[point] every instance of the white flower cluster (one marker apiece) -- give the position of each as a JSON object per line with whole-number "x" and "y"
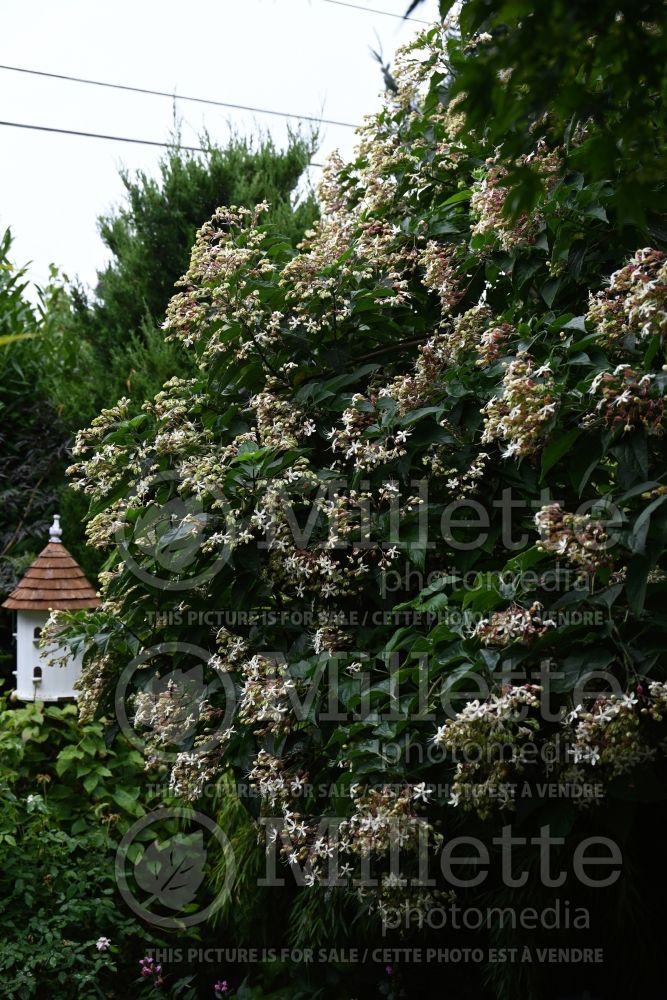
{"x": 441, "y": 274}
{"x": 269, "y": 777}
{"x": 355, "y": 442}
{"x": 228, "y": 262}
{"x": 331, "y": 639}
{"x": 232, "y": 650}
{"x": 627, "y": 401}
{"x": 634, "y": 306}
{"x": 473, "y": 333}
{"x": 656, "y": 706}
{"x": 382, "y": 818}
{"x": 489, "y": 735}
{"x": 490, "y": 195}
{"x": 514, "y": 624}
{"x": 171, "y": 711}
{"x": 191, "y": 772}
{"x": 279, "y": 422}
{"x": 520, "y": 414}
{"x": 579, "y": 538}
{"x": 609, "y": 736}
{"x": 266, "y": 696}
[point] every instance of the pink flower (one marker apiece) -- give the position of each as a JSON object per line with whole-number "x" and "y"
{"x": 220, "y": 988}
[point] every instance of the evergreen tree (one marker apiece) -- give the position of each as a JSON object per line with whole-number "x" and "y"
{"x": 89, "y": 350}
{"x": 149, "y": 239}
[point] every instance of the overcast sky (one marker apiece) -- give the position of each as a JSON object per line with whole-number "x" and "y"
{"x": 308, "y": 57}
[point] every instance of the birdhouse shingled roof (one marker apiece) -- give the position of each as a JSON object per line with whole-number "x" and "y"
{"x": 54, "y": 581}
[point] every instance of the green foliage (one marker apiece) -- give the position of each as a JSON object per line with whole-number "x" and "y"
{"x": 526, "y": 69}
{"x": 61, "y": 893}
{"x": 425, "y": 341}
{"x": 47, "y": 744}
{"x": 66, "y": 795}
{"x": 87, "y": 351}
{"x": 480, "y": 309}
{"x": 16, "y": 318}
{"x": 32, "y": 438}
{"x": 436, "y": 345}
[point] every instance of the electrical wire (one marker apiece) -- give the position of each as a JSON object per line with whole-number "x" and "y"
{"x": 174, "y": 96}
{"x": 374, "y": 10}
{"x": 113, "y": 138}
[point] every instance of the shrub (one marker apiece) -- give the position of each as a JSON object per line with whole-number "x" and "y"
{"x": 423, "y": 453}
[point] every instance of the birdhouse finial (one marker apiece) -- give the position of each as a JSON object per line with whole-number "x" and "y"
{"x": 55, "y": 531}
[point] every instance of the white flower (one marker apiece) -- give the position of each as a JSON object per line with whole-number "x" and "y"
{"x": 420, "y": 791}
{"x": 546, "y": 410}
{"x": 102, "y": 943}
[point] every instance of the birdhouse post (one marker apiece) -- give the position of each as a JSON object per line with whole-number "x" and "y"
{"x": 54, "y": 582}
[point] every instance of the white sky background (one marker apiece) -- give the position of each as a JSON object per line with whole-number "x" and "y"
{"x": 303, "y": 56}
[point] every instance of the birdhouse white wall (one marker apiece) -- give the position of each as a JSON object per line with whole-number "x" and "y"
{"x": 53, "y": 582}
{"x": 36, "y": 678}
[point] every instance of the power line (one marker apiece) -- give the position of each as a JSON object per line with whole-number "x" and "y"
{"x": 174, "y": 96}
{"x": 373, "y": 10}
{"x": 113, "y": 138}
{"x": 99, "y": 135}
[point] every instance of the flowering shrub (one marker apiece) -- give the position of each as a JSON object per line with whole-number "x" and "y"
{"x": 425, "y": 451}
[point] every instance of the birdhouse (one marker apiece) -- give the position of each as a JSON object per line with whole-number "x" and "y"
{"x": 55, "y": 582}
